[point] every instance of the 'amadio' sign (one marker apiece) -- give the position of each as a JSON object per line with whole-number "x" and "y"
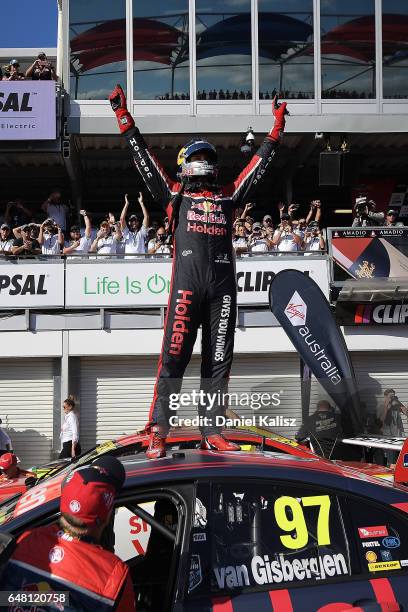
{"x": 27, "y": 110}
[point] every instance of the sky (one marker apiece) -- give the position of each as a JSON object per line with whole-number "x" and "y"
{"x": 29, "y": 23}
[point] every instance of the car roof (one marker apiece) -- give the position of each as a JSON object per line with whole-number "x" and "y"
{"x": 190, "y": 465}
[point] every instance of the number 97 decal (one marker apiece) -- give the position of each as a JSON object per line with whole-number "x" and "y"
{"x": 295, "y": 522}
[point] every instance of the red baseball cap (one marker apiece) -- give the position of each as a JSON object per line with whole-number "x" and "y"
{"x": 88, "y": 495}
{"x": 7, "y": 460}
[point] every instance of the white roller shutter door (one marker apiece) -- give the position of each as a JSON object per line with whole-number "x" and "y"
{"x": 27, "y": 399}
{"x": 380, "y": 370}
{"x": 116, "y": 393}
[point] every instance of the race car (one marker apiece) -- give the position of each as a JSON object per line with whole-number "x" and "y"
{"x": 230, "y": 532}
{"x": 129, "y": 444}
{"x": 249, "y": 438}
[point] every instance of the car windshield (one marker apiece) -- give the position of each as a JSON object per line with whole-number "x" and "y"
{"x": 83, "y": 459}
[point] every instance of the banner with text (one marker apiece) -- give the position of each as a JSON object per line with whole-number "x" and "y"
{"x": 32, "y": 285}
{"x": 135, "y": 283}
{"x": 361, "y": 252}
{"x": 27, "y": 110}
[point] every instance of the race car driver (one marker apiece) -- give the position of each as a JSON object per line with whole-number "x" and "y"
{"x": 203, "y": 289}
{"x": 10, "y": 469}
{"x": 69, "y": 557}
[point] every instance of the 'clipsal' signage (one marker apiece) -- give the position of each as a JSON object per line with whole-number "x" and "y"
{"x": 31, "y": 285}
{"x": 27, "y": 110}
{"x": 388, "y": 313}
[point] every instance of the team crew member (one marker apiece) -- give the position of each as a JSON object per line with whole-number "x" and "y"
{"x": 5, "y": 441}
{"x": 324, "y": 428}
{"x": 203, "y": 290}
{"x": 69, "y": 557}
{"x": 10, "y": 469}
{"x": 70, "y": 431}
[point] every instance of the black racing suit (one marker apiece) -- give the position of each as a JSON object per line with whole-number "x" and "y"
{"x": 203, "y": 285}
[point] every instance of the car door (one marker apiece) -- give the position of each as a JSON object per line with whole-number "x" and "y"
{"x": 149, "y": 528}
{"x": 270, "y": 545}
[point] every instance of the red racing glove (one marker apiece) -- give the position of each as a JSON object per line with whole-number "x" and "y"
{"x": 279, "y": 113}
{"x": 117, "y": 101}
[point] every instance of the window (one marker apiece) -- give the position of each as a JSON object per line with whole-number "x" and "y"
{"x": 381, "y": 537}
{"x": 348, "y": 48}
{"x": 394, "y": 49}
{"x": 161, "y": 50}
{"x": 146, "y": 543}
{"x": 97, "y": 32}
{"x": 223, "y": 49}
{"x": 285, "y": 34}
{"x": 265, "y": 535}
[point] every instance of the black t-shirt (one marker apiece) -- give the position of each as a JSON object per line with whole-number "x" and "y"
{"x": 42, "y": 73}
{"x": 18, "y": 242}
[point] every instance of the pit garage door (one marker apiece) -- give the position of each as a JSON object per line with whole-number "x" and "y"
{"x": 380, "y": 370}
{"x": 116, "y": 393}
{"x": 27, "y": 400}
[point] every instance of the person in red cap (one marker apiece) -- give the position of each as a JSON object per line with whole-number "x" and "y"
{"x": 68, "y": 556}
{"x": 10, "y": 469}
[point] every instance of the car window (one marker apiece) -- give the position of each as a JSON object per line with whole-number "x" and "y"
{"x": 131, "y": 532}
{"x": 380, "y": 537}
{"x": 265, "y": 535}
{"x": 148, "y": 550}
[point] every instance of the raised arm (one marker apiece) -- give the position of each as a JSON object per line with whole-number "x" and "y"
{"x": 144, "y": 210}
{"x": 158, "y": 183}
{"x": 124, "y": 212}
{"x": 251, "y": 176}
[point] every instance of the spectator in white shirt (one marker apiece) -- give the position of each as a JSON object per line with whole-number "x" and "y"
{"x": 54, "y": 208}
{"x": 5, "y": 441}
{"x": 107, "y": 239}
{"x": 285, "y": 237}
{"x": 79, "y": 245}
{"x": 159, "y": 245}
{"x": 134, "y": 233}
{"x": 240, "y": 240}
{"x": 314, "y": 240}
{"x": 6, "y": 239}
{"x": 70, "y": 431}
{"x": 50, "y": 238}
{"x": 258, "y": 242}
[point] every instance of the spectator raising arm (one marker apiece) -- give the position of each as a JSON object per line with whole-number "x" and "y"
{"x": 144, "y": 210}
{"x": 124, "y": 212}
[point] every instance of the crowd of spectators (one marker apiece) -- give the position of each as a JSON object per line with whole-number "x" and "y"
{"x": 40, "y": 70}
{"x": 226, "y": 94}
{"x": 48, "y": 231}
{"x": 288, "y": 235}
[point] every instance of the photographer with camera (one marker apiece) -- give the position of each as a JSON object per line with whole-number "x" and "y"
{"x": 390, "y": 416}
{"x": 25, "y": 246}
{"x": 285, "y": 237}
{"x": 314, "y": 240}
{"x": 160, "y": 244}
{"x": 240, "y": 239}
{"x": 107, "y": 238}
{"x": 12, "y": 73}
{"x": 364, "y": 213}
{"x": 259, "y": 241}
{"x": 50, "y": 238}
{"x": 41, "y": 69}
